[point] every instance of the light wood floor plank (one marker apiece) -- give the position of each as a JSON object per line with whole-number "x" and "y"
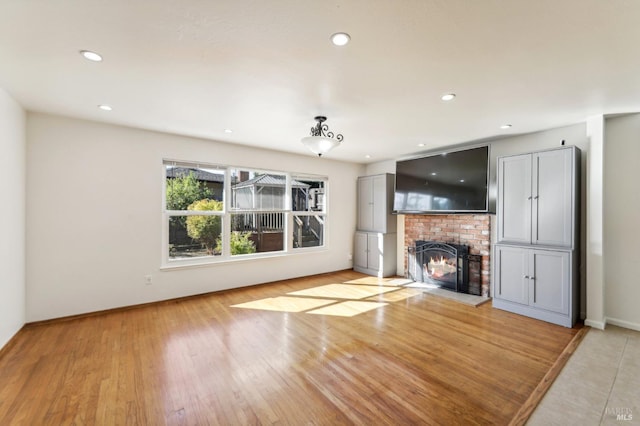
{"x": 414, "y": 359}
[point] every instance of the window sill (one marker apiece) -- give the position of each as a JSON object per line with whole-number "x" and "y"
{"x": 209, "y": 261}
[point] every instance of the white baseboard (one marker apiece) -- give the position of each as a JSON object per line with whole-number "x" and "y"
{"x": 600, "y": 325}
{"x": 623, "y": 323}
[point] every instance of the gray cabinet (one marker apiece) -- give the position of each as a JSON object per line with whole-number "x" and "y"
{"x": 536, "y": 255}
{"x": 536, "y": 282}
{"x": 375, "y": 239}
{"x": 375, "y": 253}
{"x": 375, "y": 203}
{"x": 536, "y": 198}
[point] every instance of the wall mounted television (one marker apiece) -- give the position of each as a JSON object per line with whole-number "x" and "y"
{"x": 446, "y": 182}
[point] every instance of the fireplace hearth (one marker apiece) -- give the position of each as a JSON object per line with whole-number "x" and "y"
{"x": 443, "y": 264}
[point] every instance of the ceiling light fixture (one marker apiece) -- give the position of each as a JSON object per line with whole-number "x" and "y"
{"x": 505, "y": 126}
{"x": 340, "y": 39}
{"x": 420, "y": 145}
{"x": 105, "y": 107}
{"x": 448, "y": 97}
{"x": 91, "y": 56}
{"x": 321, "y": 140}
{"x": 228, "y": 131}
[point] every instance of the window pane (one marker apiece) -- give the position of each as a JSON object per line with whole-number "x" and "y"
{"x": 194, "y": 236}
{"x": 308, "y": 231}
{"x": 187, "y": 185}
{"x": 257, "y": 232}
{"x": 307, "y": 195}
{"x": 257, "y": 191}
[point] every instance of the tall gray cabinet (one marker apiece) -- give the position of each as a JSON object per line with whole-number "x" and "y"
{"x": 536, "y": 255}
{"x": 375, "y": 239}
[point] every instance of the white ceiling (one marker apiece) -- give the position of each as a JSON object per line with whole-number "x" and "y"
{"x": 266, "y": 68}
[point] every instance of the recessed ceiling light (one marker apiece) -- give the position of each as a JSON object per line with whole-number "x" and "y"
{"x": 92, "y": 56}
{"x": 105, "y": 107}
{"x": 340, "y": 39}
{"x": 448, "y": 97}
{"x": 367, "y": 156}
{"x": 461, "y": 180}
{"x": 505, "y": 126}
{"x": 228, "y": 131}
{"x": 420, "y": 144}
{"x": 433, "y": 173}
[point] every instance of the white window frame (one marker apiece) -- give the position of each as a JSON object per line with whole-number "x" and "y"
{"x": 227, "y": 212}
{"x": 323, "y": 212}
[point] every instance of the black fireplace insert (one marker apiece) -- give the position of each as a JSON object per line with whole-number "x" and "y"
{"x": 442, "y": 264}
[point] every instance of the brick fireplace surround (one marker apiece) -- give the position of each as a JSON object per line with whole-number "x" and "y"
{"x": 472, "y": 230}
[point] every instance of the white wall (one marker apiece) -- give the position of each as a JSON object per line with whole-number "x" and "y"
{"x": 621, "y": 213}
{"x": 594, "y": 250}
{"x": 94, "y": 217}
{"x": 12, "y": 217}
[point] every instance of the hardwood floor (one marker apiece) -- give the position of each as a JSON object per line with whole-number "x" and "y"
{"x": 403, "y": 358}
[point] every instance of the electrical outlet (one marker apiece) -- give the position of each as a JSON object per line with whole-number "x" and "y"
{"x": 148, "y": 279}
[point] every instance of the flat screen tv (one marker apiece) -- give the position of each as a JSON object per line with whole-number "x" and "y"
{"x": 447, "y": 182}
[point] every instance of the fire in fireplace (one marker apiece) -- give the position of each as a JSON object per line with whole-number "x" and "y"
{"x": 442, "y": 269}
{"x": 445, "y": 265}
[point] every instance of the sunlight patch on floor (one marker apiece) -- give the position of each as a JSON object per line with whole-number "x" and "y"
{"x": 329, "y": 299}
{"x": 397, "y": 296}
{"x": 347, "y": 309}
{"x": 285, "y": 304}
{"x": 343, "y": 291}
{"x": 380, "y": 281}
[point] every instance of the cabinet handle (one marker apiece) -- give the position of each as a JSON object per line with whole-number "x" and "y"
{"x": 528, "y": 198}
{"x": 526, "y": 277}
{"x": 532, "y": 278}
{"x": 535, "y": 198}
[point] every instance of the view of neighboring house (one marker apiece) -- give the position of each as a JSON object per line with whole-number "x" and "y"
{"x": 264, "y": 192}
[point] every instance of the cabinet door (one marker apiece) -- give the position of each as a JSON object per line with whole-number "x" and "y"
{"x": 379, "y": 208}
{"x": 550, "y": 279}
{"x": 514, "y": 199}
{"x": 375, "y": 251}
{"x": 512, "y": 281}
{"x": 361, "y": 251}
{"x": 552, "y": 198}
{"x": 365, "y": 203}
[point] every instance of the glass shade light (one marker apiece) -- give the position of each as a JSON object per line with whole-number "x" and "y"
{"x": 321, "y": 140}
{"x": 320, "y": 144}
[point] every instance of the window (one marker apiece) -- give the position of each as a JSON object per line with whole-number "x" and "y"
{"x": 216, "y": 213}
{"x": 258, "y": 209}
{"x": 308, "y": 201}
{"x": 194, "y": 205}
